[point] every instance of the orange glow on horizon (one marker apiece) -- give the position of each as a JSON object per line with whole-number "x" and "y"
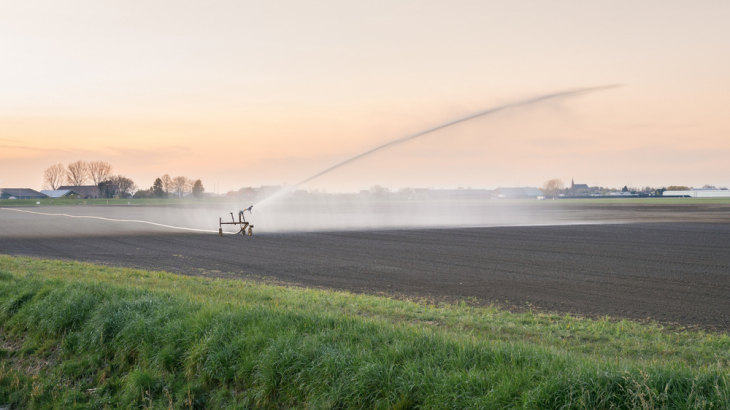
{"x": 265, "y": 94}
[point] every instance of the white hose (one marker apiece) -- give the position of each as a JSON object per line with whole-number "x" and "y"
{"x": 118, "y": 220}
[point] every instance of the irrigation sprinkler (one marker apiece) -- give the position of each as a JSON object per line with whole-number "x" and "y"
{"x": 241, "y": 223}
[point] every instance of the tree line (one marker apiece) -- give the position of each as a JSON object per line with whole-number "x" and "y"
{"x": 167, "y": 187}
{"x": 556, "y": 187}
{"x": 101, "y": 175}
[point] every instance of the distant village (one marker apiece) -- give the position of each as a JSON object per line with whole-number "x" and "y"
{"x": 552, "y": 189}
{"x": 95, "y": 180}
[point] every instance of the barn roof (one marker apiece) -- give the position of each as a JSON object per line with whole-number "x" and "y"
{"x": 84, "y": 191}
{"x": 532, "y": 191}
{"x": 58, "y": 193}
{"x": 22, "y": 192}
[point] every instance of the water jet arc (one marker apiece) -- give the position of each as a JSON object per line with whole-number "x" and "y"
{"x": 543, "y": 98}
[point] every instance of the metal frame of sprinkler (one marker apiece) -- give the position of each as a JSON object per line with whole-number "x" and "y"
{"x": 241, "y": 222}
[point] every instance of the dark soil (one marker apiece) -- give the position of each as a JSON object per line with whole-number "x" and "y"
{"x": 668, "y": 272}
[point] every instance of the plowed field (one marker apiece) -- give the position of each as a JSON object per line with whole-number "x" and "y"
{"x": 669, "y": 272}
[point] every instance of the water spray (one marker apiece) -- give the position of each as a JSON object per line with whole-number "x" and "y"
{"x": 246, "y": 227}
{"x": 523, "y": 103}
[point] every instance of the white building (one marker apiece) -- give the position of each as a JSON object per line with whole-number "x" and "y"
{"x": 699, "y": 193}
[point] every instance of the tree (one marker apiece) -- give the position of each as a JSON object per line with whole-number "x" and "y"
{"x": 678, "y": 188}
{"x": 99, "y": 171}
{"x": 552, "y": 186}
{"x": 167, "y": 184}
{"x": 179, "y": 184}
{"x": 189, "y": 184}
{"x": 143, "y": 193}
{"x": 198, "y": 189}
{"x": 124, "y": 186}
{"x": 53, "y": 176}
{"x": 625, "y": 189}
{"x": 708, "y": 186}
{"x": 157, "y": 189}
{"x": 379, "y": 192}
{"x": 77, "y": 173}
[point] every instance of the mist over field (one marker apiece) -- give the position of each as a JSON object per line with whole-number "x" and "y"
{"x": 337, "y": 214}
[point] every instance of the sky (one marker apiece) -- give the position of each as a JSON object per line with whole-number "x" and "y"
{"x": 266, "y": 93}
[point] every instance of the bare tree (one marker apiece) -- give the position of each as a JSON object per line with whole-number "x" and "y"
{"x": 53, "y": 176}
{"x": 189, "y": 185}
{"x": 552, "y": 186}
{"x": 77, "y": 173}
{"x": 167, "y": 184}
{"x": 99, "y": 171}
{"x": 124, "y": 186}
{"x": 180, "y": 185}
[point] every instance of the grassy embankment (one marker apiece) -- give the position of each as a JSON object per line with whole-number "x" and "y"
{"x": 78, "y": 335}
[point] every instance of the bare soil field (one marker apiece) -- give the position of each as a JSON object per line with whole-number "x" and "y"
{"x": 671, "y": 272}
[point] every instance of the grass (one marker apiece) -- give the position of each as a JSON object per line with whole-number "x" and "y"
{"x": 78, "y": 335}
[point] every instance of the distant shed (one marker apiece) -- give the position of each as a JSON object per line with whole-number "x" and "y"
{"x": 61, "y": 193}
{"x": 532, "y": 192}
{"x": 20, "y": 193}
{"x": 83, "y": 191}
{"x": 699, "y": 193}
{"x": 518, "y": 192}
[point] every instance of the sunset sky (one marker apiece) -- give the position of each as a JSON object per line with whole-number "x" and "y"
{"x": 250, "y": 93}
